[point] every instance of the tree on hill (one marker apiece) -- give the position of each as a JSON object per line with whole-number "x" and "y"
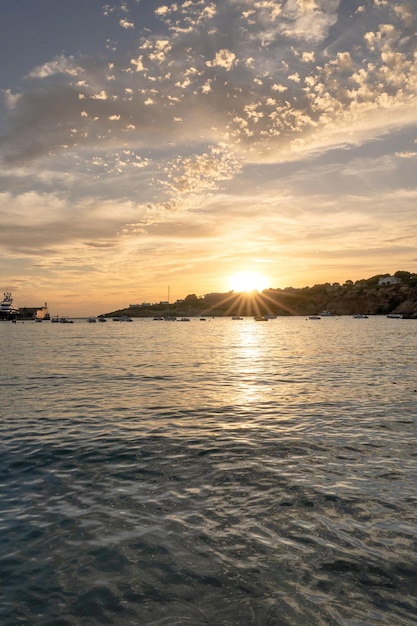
{"x": 192, "y": 300}
{"x": 374, "y": 280}
{"x": 403, "y": 276}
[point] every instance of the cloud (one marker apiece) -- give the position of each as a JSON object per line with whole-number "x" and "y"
{"x": 201, "y": 173}
{"x": 124, "y": 23}
{"x": 299, "y": 20}
{"x": 11, "y": 99}
{"x": 59, "y": 65}
{"x": 182, "y": 113}
{"x": 54, "y": 222}
{"x": 309, "y": 20}
{"x": 268, "y": 104}
{"x": 406, "y": 155}
{"x": 224, "y": 58}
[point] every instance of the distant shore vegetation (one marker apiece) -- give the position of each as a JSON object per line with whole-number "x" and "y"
{"x": 378, "y": 295}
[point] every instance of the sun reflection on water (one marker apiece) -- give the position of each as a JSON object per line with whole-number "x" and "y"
{"x": 247, "y": 363}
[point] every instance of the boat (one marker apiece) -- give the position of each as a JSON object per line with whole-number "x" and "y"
{"x": 314, "y": 317}
{"x": 360, "y": 316}
{"x": 8, "y": 311}
{"x": 158, "y": 318}
{"x": 125, "y": 318}
{"x": 60, "y": 320}
{"x": 65, "y": 320}
{"x": 326, "y": 314}
{"x": 91, "y": 320}
{"x": 395, "y": 316}
{"x": 237, "y": 317}
{"x": 184, "y": 319}
{"x": 260, "y": 318}
{"x": 101, "y": 318}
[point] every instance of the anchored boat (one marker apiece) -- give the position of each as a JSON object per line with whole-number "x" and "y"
{"x": 8, "y": 311}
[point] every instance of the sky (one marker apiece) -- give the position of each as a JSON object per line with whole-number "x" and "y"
{"x": 149, "y": 145}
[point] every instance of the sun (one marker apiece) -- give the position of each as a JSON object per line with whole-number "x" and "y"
{"x": 247, "y": 281}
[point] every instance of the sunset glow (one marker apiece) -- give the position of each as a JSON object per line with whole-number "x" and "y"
{"x": 156, "y": 149}
{"x": 247, "y": 282}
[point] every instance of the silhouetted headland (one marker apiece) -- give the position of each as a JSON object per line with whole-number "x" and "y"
{"x": 379, "y": 295}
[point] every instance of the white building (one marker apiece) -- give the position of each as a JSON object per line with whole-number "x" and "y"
{"x": 389, "y": 280}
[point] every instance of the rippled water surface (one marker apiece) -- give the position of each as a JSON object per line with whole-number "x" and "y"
{"x": 218, "y": 473}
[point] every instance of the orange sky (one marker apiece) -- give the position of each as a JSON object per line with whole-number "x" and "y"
{"x": 180, "y": 144}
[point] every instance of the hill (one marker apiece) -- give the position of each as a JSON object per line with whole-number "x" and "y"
{"x": 363, "y": 296}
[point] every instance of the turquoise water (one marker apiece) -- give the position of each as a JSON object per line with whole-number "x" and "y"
{"x": 218, "y": 473}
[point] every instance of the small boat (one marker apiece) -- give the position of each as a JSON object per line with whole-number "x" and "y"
{"x": 202, "y": 319}
{"x": 101, "y": 318}
{"x": 55, "y": 319}
{"x": 91, "y": 320}
{"x": 360, "y": 316}
{"x": 65, "y": 320}
{"x": 184, "y": 319}
{"x": 395, "y": 316}
{"x": 237, "y": 317}
{"x": 260, "y": 318}
{"x": 314, "y": 317}
{"x": 158, "y": 318}
{"x": 125, "y": 318}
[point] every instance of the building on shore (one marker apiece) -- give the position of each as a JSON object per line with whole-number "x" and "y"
{"x": 34, "y": 313}
{"x": 389, "y": 280}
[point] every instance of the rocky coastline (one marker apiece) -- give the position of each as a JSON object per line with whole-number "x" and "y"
{"x": 362, "y": 297}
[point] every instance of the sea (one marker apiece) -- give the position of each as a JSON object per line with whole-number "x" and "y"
{"x": 217, "y": 472}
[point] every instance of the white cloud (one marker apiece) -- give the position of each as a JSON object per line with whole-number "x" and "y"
{"x": 308, "y": 57}
{"x": 280, "y": 94}
{"x": 138, "y": 63}
{"x": 59, "y": 65}
{"x": 406, "y": 155}
{"x": 223, "y": 58}
{"x": 201, "y": 172}
{"x": 11, "y": 99}
{"x": 124, "y": 23}
{"x": 102, "y": 95}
